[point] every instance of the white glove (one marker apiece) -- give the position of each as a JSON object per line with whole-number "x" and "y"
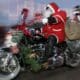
{"x": 45, "y": 20}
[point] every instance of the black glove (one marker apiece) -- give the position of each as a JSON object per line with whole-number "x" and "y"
{"x": 52, "y": 20}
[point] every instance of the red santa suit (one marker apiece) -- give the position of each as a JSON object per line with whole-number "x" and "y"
{"x": 22, "y": 24}
{"x": 54, "y": 20}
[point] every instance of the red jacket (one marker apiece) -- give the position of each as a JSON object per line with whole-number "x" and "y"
{"x": 56, "y": 29}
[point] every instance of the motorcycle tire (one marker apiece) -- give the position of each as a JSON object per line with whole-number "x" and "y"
{"x": 11, "y": 75}
{"x": 72, "y": 61}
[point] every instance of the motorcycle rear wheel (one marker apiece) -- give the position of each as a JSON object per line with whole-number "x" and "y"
{"x": 72, "y": 61}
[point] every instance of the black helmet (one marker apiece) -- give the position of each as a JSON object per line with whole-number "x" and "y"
{"x": 77, "y": 8}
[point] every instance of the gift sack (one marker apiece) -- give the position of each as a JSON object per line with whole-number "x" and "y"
{"x": 72, "y": 30}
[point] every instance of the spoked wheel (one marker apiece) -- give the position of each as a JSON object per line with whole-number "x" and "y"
{"x": 72, "y": 59}
{"x": 10, "y": 69}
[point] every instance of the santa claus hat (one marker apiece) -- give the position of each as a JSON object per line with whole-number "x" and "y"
{"x": 54, "y": 7}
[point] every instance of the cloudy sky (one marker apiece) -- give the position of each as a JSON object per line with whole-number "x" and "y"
{"x": 10, "y": 9}
{"x": 62, "y": 3}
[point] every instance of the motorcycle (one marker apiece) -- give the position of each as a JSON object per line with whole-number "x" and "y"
{"x": 32, "y": 54}
{"x": 67, "y": 52}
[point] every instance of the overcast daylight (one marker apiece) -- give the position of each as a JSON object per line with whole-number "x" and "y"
{"x": 39, "y": 39}
{"x": 10, "y": 10}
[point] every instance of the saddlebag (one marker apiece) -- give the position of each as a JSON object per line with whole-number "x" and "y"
{"x": 72, "y": 30}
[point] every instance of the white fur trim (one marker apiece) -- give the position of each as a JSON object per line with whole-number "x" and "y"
{"x": 57, "y": 29}
{"x": 56, "y": 35}
{"x": 51, "y": 8}
{"x": 60, "y": 18}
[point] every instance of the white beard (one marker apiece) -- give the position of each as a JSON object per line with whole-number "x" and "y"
{"x": 47, "y": 13}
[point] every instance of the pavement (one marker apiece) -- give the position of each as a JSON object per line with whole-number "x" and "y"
{"x": 61, "y": 73}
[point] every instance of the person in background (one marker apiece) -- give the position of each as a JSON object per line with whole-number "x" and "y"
{"x": 13, "y": 46}
{"x": 76, "y": 14}
{"x": 22, "y": 22}
{"x": 6, "y": 40}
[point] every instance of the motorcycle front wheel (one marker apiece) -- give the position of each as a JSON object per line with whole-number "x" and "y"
{"x": 11, "y": 70}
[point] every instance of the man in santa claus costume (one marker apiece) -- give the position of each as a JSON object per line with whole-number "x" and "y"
{"x": 54, "y": 20}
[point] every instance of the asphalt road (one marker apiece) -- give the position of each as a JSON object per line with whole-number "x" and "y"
{"x": 62, "y": 73}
